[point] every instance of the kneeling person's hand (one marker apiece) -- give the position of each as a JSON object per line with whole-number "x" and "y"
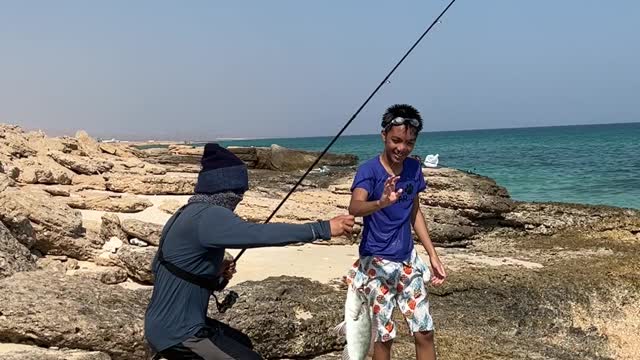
{"x": 342, "y": 225}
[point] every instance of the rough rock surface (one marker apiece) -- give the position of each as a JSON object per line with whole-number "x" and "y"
{"x": 111, "y": 227}
{"x": 286, "y": 316}
{"x": 81, "y": 165}
{"x": 151, "y": 184}
{"x": 118, "y": 203}
{"x": 137, "y": 262}
{"x": 42, "y": 170}
{"x": 49, "y": 309}
{"x": 31, "y": 352}
{"x": 14, "y": 256}
{"x": 148, "y": 232}
{"x": 170, "y": 206}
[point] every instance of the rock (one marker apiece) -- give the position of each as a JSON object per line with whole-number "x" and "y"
{"x": 109, "y": 275}
{"x": 283, "y": 159}
{"x": 5, "y": 182}
{"x": 151, "y": 184}
{"x": 154, "y": 169}
{"x": 137, "y": 262}
{"x": 81, "y": 165}
{"x": 148, "y": 232}
{"x": 113, "y": 244}
{"x": 111, "y": 227}
{"x": 170, "y": 206}
{"x": 89, "y": 145}
{"x": 120, "y": 150}
{"x": 31, "y": 352}
{"x": 71, "y": 264}
{"x": 56, "y": 191}
{"x": 88, "y": 182}
{"x": 138, "y": 242}
{"x": 286, "y": 317}
{"x": 122, "y": 204}
{"x": 14, "y": 143}
{"x": 43, "y": 222}
{"x": 14, "y": 256}
{"x": 49, "y": 309}
{"x": 455, "y": 189}
{"x": 107, "y": 258}
{"x": 42, "y": 170}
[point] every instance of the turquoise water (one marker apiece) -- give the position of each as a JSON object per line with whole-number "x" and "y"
{"x": 592, "y": 164}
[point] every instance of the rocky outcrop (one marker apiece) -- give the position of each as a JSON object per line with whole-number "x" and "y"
{"x": 137, "y": 262}
{"x": 117, "y": 203}
{"x": 81, "y": 165}
{"x": 151, "y": 184}
{"x": 5, "y": 182}
{"x": 170, "y": 206}
{"x": 14, "y": 256}
{"x": 48, "y": 309}
{"x": 31, "y": 352}
{"x": 42, "y": 170}
{"x": 110, "y": 227}
{"x": 148, "y": 232}
{"x": 44, "y": 223}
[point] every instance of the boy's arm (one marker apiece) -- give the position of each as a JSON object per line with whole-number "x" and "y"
{"x": 420, "y": 227}
{"x": 359, "y": 206}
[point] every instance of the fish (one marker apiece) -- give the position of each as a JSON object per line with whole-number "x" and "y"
{"x": 358, "y": 326}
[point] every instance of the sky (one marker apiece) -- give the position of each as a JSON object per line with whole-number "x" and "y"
{"x": 201, "y": 70}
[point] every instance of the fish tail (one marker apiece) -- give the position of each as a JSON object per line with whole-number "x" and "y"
{"x": 345, "y": 354}
{"x": 341, "y": 329}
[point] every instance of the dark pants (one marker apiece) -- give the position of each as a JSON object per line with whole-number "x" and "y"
{"x": 216, "y": 341}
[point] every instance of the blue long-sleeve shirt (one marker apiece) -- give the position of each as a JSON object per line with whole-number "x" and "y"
{"x": 196, "y": 243}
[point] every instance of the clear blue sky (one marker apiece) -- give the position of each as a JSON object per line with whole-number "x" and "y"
{"x": 207, "y": 69}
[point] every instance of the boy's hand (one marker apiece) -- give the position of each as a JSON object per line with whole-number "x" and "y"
{"x": 389, "y": 194}
{"x": 438, "y": 273}
{"x": 342, "y": 225}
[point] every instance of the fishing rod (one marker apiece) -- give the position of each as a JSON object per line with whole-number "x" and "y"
{"x": 351, "y": 119}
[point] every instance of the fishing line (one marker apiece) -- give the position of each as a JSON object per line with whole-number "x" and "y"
{"x": 386, "y": 78}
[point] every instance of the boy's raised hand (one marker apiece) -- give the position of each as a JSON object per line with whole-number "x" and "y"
{"x": 389, "y": 194}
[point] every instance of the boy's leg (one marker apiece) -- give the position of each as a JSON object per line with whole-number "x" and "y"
{"x": 381, "y": 291}
{"x": 414, "y": 304}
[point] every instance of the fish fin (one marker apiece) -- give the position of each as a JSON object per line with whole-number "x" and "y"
{"x": 345, "y": 354}
{"x": 341, "y": 329}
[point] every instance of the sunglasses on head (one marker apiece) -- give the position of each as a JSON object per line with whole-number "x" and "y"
{"x": 400, "y": 121}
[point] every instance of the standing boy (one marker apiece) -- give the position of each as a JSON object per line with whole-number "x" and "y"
{"x": 389, "y": 270}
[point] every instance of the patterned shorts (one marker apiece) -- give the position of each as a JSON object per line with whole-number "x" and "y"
{"x": 387, "y": 283}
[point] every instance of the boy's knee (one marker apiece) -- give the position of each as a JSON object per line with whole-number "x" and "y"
{"x": 424, "y": 336}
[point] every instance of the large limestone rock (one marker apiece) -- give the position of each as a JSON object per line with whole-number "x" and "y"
{"x": 122, "y": 204}
{"x": 146, "y": 231}
{"x": 287, "y": 317}
{"x": 14, "y": 256}
{"x": 89, "y": 182}
{"x": 49, "y": 309}
{"x": 110, "y": 227}
{"x": 137, "y": 262}
{"x": 13, "y": 142}
{"x": 5, "y": 181}
{"x": 42, "y": 170}
{"x": 282, "y": 159}
{"x": 455, "y": 189}
{"x": 32, "y": 352}
{"x": 151, "y": 184}
{"x": 45, "y": 223}
{"x": 81, "y": 165}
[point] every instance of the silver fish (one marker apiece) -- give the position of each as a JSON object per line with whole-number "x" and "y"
{"x": 358, "y": 326}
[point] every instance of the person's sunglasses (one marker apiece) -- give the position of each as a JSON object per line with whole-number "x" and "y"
{"x": 400, "y": 120}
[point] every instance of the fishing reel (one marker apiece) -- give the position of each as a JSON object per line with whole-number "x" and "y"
{"x": 227, "y": 302}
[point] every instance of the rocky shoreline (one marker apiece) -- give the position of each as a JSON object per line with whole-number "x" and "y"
{"x": 80, "y": 223}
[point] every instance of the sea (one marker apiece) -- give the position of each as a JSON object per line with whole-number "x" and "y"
{"x": 590, "y": 164}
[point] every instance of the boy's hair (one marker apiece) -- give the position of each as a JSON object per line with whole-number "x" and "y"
{"x": 404, "y": 111}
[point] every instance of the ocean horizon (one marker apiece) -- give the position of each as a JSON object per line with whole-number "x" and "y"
{"x": 595, "y": 164}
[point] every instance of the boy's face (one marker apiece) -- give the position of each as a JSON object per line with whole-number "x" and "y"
{"x": 399, "y": 142}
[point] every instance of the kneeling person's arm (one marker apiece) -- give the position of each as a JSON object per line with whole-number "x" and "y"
{"x": 223, "y": 228}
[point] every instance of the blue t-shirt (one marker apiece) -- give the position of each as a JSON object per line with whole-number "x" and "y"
{"x": 387, "y": 232}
